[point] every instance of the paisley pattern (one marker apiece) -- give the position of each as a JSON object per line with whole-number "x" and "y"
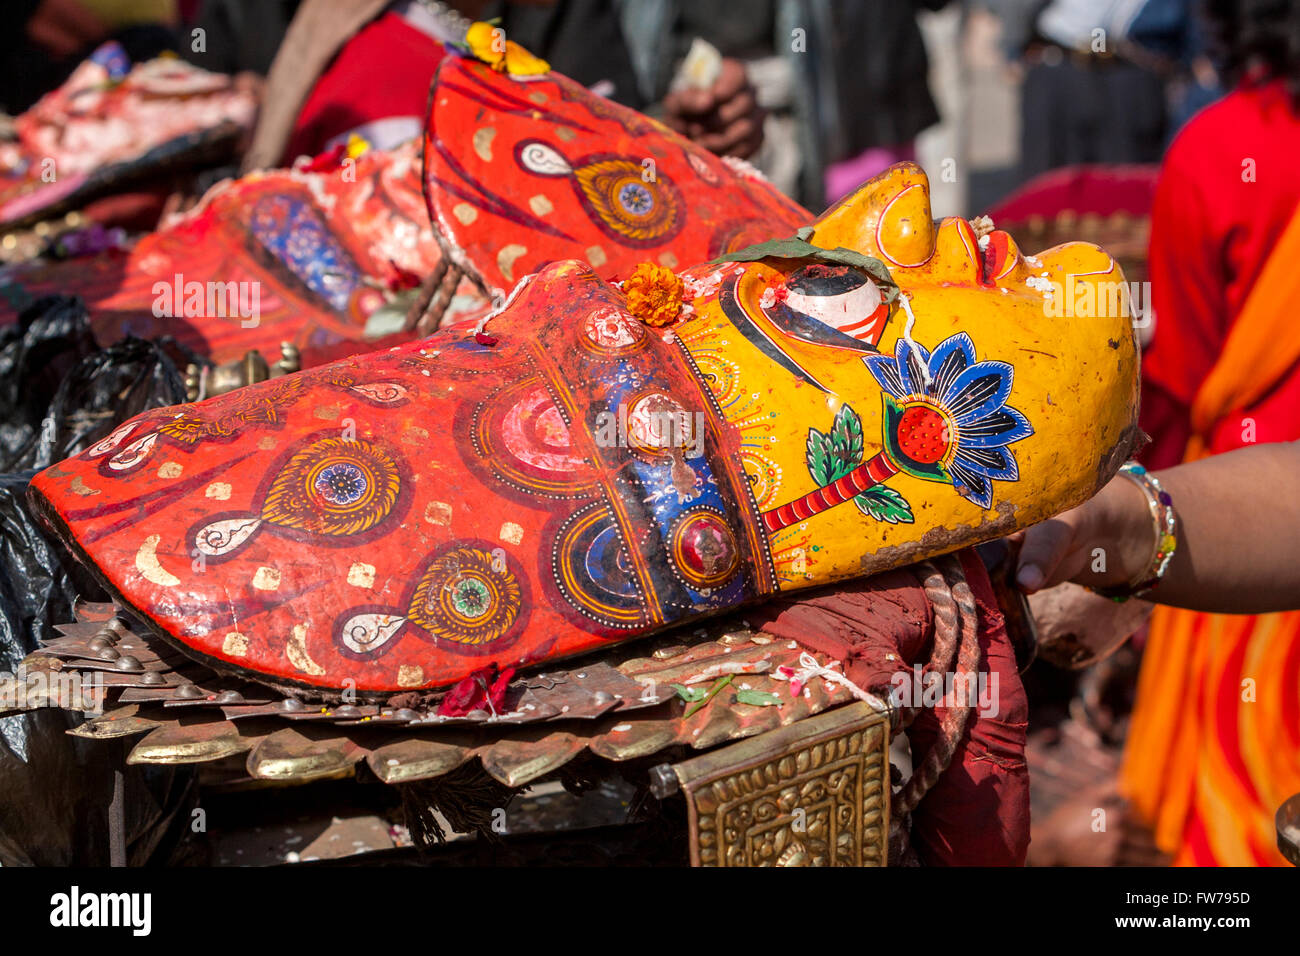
{"x": 366, "y": 634}
{"x": 332, "y": 487}
{"x": 628, "y": 207}
{"x": 624, "y": 198}
{"x": 191, "y": 426}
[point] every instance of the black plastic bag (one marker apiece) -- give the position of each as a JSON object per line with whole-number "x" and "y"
{"x": 59, "y": 393}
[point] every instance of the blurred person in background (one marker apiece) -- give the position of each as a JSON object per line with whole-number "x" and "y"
{"x": 238, "y": 36}
{"x": 843, "y": 85}
{"x": 352, "y": 67}
{"x": 1105, "y": 81}
{"x": 873, "y": 106}
{"x": 363, "y": 67}
{"x": 1214, "y": 746}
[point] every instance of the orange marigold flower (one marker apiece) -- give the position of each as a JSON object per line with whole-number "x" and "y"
{"x": 654, "y": 294}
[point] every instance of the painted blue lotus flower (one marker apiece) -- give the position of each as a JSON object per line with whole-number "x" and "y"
{"x": 947, "y": 417}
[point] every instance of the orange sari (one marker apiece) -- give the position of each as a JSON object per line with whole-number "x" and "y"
{"x": 1214, "y": 747}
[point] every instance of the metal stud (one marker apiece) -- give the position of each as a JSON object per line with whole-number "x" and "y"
{"x": 663, "y": 781}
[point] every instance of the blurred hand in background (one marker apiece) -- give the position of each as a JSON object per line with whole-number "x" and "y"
{"x": 724, "y": 118}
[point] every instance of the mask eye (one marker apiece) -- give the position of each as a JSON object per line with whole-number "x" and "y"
{"x": 840, "y": 297}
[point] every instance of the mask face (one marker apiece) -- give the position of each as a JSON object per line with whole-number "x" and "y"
{"x": 397, "y": 520}
{"x": 993, "y": 391}
{"x": 560, "y": 474}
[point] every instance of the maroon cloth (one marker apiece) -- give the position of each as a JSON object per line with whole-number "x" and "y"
{"x": 977, "y": 814}
{"x": 1101, "y": 190}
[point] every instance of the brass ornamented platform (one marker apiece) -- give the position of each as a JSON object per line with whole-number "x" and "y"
{"x": 783, "y": 778}
{"x": 806, "y": 785}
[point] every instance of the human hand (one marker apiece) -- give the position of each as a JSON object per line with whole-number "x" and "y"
{"x": 724, "y": 118}
{"x": 1105, "y": 541}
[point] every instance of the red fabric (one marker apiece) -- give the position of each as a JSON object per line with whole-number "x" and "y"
{"x": 382, "y": 72}
{"x": 978, "y": 812}
{"x": 1102, "y": 190}
{"x": 1211, "y": 233}
{"x": 485, "y": 689}
{"x": 857, "y": 623}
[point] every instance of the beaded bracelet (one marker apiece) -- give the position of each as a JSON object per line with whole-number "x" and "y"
{"x": 1164, "y": 522}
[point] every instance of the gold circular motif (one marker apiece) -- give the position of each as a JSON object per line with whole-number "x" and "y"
{"x": 721, "y": 374}
{"x": 627, "y": 206}
{"x": 764, "y": 476}
{"x": 468, "y": 596}
{"x": 334, "y": 487}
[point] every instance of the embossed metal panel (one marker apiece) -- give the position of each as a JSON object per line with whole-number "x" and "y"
{"x": 815, "y": 793}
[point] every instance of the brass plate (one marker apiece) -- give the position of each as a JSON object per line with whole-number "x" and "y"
{"x": 814, "y": 793}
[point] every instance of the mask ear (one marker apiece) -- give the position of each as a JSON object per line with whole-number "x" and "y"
{"x": 887, "y": 217}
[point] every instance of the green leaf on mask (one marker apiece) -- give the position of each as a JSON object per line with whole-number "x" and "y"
{"x": 820, "y": 457}
{"x": 846, "y": 440}
{"x": 884, "y": 504}
{"x": 831, "y": 457}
